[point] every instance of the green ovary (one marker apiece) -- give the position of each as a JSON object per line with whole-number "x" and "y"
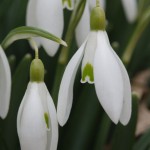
{"x": 88, "y": 72}
{"x": 46, "y": 117}
{"x": 68, "y": 2}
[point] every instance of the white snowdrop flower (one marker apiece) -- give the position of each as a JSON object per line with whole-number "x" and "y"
{"x": 5, "y": 84}
{"x": 37, "y": 121}
{"x": 101, "y": 66}
{"x": 47, "y": 15}
{"x": 131, "y": 9}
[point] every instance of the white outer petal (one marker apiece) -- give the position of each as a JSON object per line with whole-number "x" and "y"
{"x": 126, "y": 109}
{"x": 5, "y": 84}
{"x": 83, "y": 27}
{"x": 108, "y": 79}
{"x": 131, "y": 9}
{"x": 53, "y": 121}
{"x": 50, "y": 18}
{"x": 31, "y": 17}
{"x": 65, "y": 96}
{"x": 31, "y": 125}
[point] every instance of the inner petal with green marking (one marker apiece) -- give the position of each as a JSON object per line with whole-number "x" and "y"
{"x": 87, "y": 74}
{"x": 88, "y": 58}
{"x": 46, "y": 117}
{"x": 69, "y": 3}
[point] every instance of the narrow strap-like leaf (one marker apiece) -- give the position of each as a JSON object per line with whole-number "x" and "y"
{"x": 124, "y": 135}
{"x": 26, "y": 32}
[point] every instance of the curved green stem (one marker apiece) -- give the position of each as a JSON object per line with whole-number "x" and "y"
{"x": 141, "y": 26}
{"x": 63, "y": 58}
{"x": 76, "y": 15}
{"x": 34, "y": 45}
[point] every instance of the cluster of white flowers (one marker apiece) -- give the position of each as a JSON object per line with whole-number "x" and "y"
{"x": 37, "y": 118}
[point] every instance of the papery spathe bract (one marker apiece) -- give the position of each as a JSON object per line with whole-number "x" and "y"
{"x": 5, "y": 84}
{"x": 47, "y": 15}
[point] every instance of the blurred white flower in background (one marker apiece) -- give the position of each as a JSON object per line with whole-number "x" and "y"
{"x": 5, "y": 84}
{"x": 47, "y": 15}
{"x": 130, "y": 9}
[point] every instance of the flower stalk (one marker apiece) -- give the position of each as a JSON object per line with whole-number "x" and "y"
{"x": 143, "y": 22}
{"x": 63, "y": 57}
{"x": 76, "y": 15}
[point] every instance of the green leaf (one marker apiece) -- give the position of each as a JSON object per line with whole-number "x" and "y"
{"x": 102, "y": 133}
{"x": 143, "y": 143}
{"x": 12, "y": 63}
{"x": 124, "y": 135}
{"x": 79, "y": 132}
{"x": 26, "y": 32}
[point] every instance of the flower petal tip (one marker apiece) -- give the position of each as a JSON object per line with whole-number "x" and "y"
{"x": 124, "y": 123}
{"x": 64, "y": 43}
{"x": 60, "y": 120}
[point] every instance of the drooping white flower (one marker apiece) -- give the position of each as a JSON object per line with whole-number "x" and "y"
{"x": 101, "y": 66}
{"x": 5, "y": 84}
{"x": 131, "y": 9}
{"x": 47, "y": 15}
{"x": 37, "y": 121}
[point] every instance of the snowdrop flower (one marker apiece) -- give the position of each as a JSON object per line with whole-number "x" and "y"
{"x": 5, "y": 84}
{"x": 37, "y": 121}
{"x": 131, "y": 9}
{"x": 101, "y": 66}
{"x": 47, "y": 15}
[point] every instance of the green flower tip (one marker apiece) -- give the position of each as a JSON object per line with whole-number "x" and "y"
{"x": 97, "y": 19}
{"x": 87, "y": 74}
{"x": 37, "y": 71}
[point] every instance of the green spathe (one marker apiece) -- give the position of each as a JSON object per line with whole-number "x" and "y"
{"x": 88, "y": 72}
{"x": 97, "y": 19}
{"x": 37, "y": 71}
